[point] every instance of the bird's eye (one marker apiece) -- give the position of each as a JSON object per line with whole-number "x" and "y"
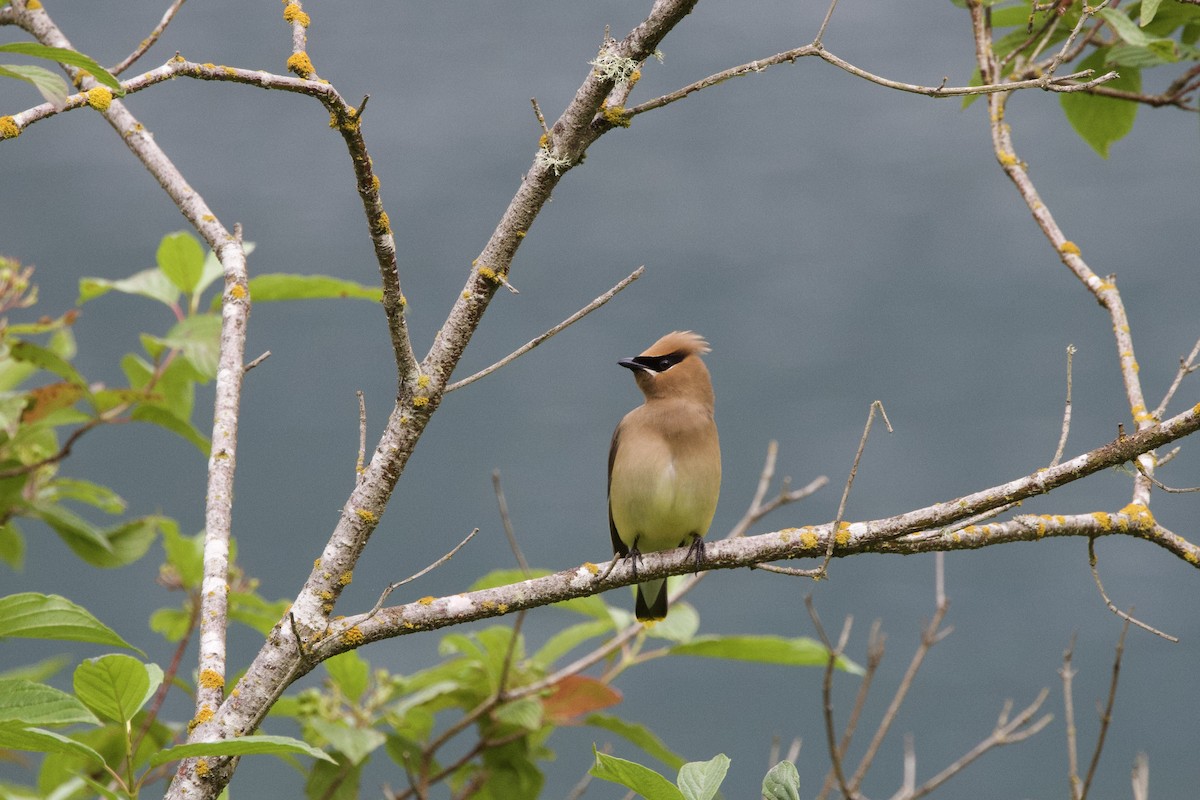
{"x": 661, "y": 363}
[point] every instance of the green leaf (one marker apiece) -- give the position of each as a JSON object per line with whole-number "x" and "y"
{"x": 116, "y": 686}
{"x": 30, "y": 703}
{"x": 242, "y": 746}
{"x": 782, "y": 782}
{"x": 63, "y": 56}
{"x": 108, "y": 548}
{"x": 333, "y": 781}
{"x": 198, "y": 338}
{"x": 1149, "y": 9}
{"x": 1100, "y": 121}
{"x": 39, "y": 740}
{"x": 51, "y": 86}
{"x": 700, "y": 780}
{"x": 93, "y": 494}
{"x": 1126, "y": 28}
{"x": 170, "y": 623}
{"x": 797, "y": 652}
{"x": 31, "y": 353}
{"x": 256, "y": 612}
{"x": 354, "y": 743}
{"x": 643, "y": 780}
{"x": 181, "y": 259}
{"x": 525, "y": 713}
{"x": 278, "y": 286}
{"x": 12, "y": 546}
{"x": 679, "y": 626}
{"x": 40, "y": 671}
{"x": 568, "y": 639}
{"x": 30, "y": 615}
{"x": 150, "y": 283}
{"x": 639, "y": 735}
{"x": 350, "y": 673}
{"x": 184, "y": 554}
{"x": 168, "y": 421}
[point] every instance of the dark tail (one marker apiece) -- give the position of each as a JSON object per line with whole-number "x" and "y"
{"x": 651, "y": 603}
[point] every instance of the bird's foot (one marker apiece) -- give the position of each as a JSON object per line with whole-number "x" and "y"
{"x": 696, "y": 550}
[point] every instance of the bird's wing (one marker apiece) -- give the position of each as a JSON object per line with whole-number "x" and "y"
{"x": 618, "y": 546}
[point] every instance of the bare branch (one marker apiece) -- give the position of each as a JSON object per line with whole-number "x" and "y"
{"x": 532, "y": 343}
{"x": 506, "y": 521}
{"x": 149, "y": 41}
{"x": 1106, "y": 715}
{"x": 835, "y": 754}
{"x": 1186, "y": 367}
{"x": 1067, "y": 673}
{"x": 837, "y": 522}
{"x": 359, "y": 467}
{"x": 393, "y": 587}
{"x": 1111, "y": 607}
{"x": 1066, "y": 423}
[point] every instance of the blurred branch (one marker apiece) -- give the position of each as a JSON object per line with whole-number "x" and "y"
{"x": 1111, "y": 607}
{"x": 149, "y": 41}
{"x": 532, "y": 343}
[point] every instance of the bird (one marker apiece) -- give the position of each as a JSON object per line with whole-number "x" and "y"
{"x": 664, "y": 464}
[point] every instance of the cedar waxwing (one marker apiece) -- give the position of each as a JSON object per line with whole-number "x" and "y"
{"x": 664, "y": 466}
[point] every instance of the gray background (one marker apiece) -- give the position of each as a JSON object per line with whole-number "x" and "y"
{"x": 837, "y": 242}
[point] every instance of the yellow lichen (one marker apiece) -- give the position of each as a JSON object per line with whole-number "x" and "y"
{"x": 420, "y": 402}
{"x": 346, "y": 578}
{"x": 211, "y": 679}
{"x": 843, "y": 534}
{"x": 426, "y": 601}
{"x": 1103, "y": 520}
{"x": 809, "y": 540}
{"x": 100, "y": 98}
{"x": 592, "y": 568}
{"x": 9, "y": 128}
{"x": 316, "y": 563}
{"x": 487, "y": 273}
{"x": 544, "y": 141}
{"x": 1191, "y": 557}
{"x": 353, "y": 636}
{"x": 301, "y": 64}
{"x": 326, "y": 595}
{"x": 616, "y": 116}
{"x": 375, "y": 183}
{"x": 209, "y": 65}
{"x": 201, "y": 763}
{"x": 293, "y": 13}
{"x": 1140, "y": 514}
{"x": 1069, "y": 247}
{"x": 33, "y": 5}
{"x": 1007, "y": 159}
{"x": 237, "y": 291}
{"x": 520, "y": 234}
{"x": 466, "y": 295}
{"x": 423, "y": 381}
{"x": 366, "y": 515}
{"x": 383, "y": 225}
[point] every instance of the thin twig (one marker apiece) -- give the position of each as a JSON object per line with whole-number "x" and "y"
{"x": 1111, "y": 607}
{"x": 1066, "y": 423}
{"x": 875, "y": 651}
{"x": 835, "y": 757}
{"x": 836, "y": 528}
{"x": 1085, "y": 14}
{"x": 1160, "y": 484}
{"x": 393, "y": 587}
{"x": 525, "y": 348}
{"x": 502, "y": 503}
{"x": 1106, "y": 715}
{"x": 1007, "y": 731}
{"x": 149, "y": 41}
{"x": 265, "y": 355}
{"x": 931, "y": 635}
{"x": 824, "y": 23}
{"x": 359, "y": 465}
{"x": 540, "y": 118}
{"x": 1186, "y": 367}
{"x": 1067, "y": 673}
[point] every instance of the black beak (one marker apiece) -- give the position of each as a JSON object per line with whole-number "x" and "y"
{"x": 633, "y": 364}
